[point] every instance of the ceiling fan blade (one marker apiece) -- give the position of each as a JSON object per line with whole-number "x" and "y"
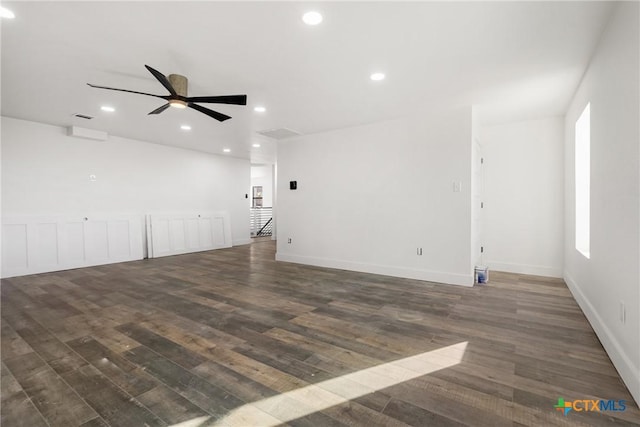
{"x": 160, "y": 109}
{"x": 130, "y": 91}
{"x": 162, "y": 79}
{"x": 218, "y": 116}
{"x": 228, "y": 99}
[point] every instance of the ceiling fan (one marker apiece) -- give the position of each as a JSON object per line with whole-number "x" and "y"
{"x": 177, "y": 87}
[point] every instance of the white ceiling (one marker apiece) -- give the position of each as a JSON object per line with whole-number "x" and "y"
{"x": 515, "y": 60}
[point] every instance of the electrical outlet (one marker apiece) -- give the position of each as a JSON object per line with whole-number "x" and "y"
{"x": 289, "y": 240}
{"x": 623, "y": 313}
{"x": 419, "y": 251}
{"x": 457, "y": 186}
{"x": 92, "y": 178}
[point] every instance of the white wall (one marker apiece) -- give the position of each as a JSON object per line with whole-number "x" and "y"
{"x": 263, "y": 175}
{"x": 46, "y": 172}
{"x": 369, "y": 196}
{"x": 611, "y": 275}
{"x": 523, "y": 196}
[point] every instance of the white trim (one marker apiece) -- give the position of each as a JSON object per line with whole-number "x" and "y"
{"x": 72, "y": 245}
{"x": 629, "y": 373}
{"x": 76, "y": 266}
{"x": 404, "y": 272}
{"x": 148, "y": 242}
{"x": 536, "y": 270}
{"x": 176, "y": 234}
{"x": 240, "y": 242}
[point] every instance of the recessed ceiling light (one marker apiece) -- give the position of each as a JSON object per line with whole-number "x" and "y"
{"x": 6, "y": 13}
{"x": 259, "y": 109}
{"x": 227, "y": 150}
{"x": 185, "y": 127}
{"x": 377, "y": 76}
{"x": 256, "y": 145}
{"x": 107, "y": 109}
{"x": 312, "y": 18}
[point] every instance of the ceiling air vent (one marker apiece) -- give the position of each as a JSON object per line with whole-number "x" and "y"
{"x": 280, "y": 133}
{"x": 82, "y": 116}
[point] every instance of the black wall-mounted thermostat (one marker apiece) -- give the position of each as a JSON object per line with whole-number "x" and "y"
{"x": 293, "y": 185}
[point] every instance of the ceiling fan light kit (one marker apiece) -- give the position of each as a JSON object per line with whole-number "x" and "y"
{"x": 176, "y": 103}
{"x": 178, "y": 96}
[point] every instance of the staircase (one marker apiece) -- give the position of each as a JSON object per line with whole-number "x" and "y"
{"x": 261, "y": 221}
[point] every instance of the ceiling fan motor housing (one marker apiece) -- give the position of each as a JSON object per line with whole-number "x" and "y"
{"x": 179, "y": 83}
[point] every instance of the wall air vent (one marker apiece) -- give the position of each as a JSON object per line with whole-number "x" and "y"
{"x": 280, "y": 133}
{"x": 82, "y": 116}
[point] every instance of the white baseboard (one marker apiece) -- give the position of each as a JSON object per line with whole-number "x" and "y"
{"x": 52, "y": 269}
{"x": 240, "y": 242}
{"x": 625, "y": 366}
{"x": 404, "y": 272}
{"x": 536, "y": 270}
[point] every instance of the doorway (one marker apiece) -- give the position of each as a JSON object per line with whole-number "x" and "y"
{"x": 261, "y": 216}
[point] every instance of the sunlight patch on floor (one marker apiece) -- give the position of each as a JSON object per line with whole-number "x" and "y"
{"x": 304, "y": 401}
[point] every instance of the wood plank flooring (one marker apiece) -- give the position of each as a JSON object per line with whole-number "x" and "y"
{"x": 231, "y": 337}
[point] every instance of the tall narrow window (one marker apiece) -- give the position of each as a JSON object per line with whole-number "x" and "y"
{"x": 583, "y": 180}
{"x": 257, "y": 196}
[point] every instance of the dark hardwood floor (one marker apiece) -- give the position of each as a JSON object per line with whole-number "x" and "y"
{"x": 231, "y": 337}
